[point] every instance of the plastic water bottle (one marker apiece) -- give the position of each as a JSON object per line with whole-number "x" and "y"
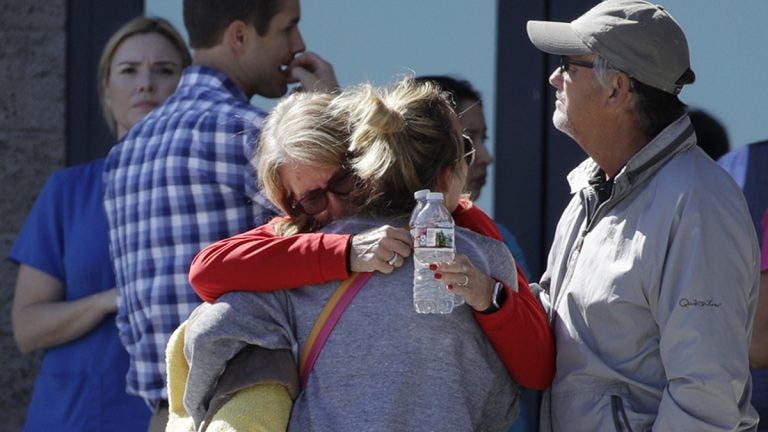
{"x": 433, "y": 241}
{"x": 421, "y": 198}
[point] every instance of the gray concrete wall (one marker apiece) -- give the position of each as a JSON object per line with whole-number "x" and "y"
{"x": 32, "y": 145}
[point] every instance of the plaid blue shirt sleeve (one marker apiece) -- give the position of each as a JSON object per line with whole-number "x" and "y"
{"x": 181, "y": 179}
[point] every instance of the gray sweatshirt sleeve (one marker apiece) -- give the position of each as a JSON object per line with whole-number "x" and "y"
{"x": 217, "y": 332}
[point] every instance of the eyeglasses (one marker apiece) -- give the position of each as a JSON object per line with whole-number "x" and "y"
{"x": 470, "y": 150}
{"x": 566, "y": 62}
{"x": 464, "y": 111}
{"x": 342, "y": 183}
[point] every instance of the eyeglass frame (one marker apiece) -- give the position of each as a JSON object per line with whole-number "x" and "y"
{"x": 566, "y": 62}
{"x": 469, "y": 156}
{"x": 343, "y": 177}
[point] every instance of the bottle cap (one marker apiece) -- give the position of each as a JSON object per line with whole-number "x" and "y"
{"x": 432, "y": 196}
{"x": 421, "y": 194}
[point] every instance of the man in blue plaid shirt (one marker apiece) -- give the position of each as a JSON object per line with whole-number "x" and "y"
{"x": 182, "y": 177}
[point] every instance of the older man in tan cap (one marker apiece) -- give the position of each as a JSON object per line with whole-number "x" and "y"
{"x": 652, "y": 278}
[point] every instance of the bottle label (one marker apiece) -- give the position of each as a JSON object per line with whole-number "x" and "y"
{"x": 433, "y": 237}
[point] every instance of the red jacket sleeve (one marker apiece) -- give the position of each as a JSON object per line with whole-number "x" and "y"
{"x": 519, "y": 331}
{"x": 521, "y": 336}
{"x": 256, "y": 261}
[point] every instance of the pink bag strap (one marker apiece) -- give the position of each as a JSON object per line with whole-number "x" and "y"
{"x": 326, "y": 321}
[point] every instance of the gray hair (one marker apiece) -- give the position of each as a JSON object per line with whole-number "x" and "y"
{"x": 603, "y": 71}
{"x": 655, "y": 108}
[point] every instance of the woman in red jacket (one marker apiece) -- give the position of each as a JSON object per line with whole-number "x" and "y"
{"x": 285, "y": 254}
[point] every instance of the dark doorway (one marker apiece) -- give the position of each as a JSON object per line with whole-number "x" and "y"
{"x": 89, "y": 24}
{"x": 532, "y": 158}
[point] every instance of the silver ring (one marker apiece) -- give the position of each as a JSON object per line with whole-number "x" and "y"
{"x": 393, "y": 260}
{"x": 466, "y": 281}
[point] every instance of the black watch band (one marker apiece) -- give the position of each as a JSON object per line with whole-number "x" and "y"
{"x": 498, "y": 297}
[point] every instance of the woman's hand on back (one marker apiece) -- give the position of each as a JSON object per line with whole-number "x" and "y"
{"x": 381, "y": 249}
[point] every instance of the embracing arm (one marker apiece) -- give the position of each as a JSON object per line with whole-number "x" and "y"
{"x": 521, "y": 321}
{"x": 42, "y": 319}
{"x": 521, "y": 336}
{"x": 258, "y": 260}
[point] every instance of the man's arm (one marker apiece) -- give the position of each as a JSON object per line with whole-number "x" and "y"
{"x": 704, "y": 307}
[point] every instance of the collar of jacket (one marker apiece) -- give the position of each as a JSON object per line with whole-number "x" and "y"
{"x": 675, "y": 138}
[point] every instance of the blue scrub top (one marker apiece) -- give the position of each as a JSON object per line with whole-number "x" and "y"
{"x": 81, "y": 384}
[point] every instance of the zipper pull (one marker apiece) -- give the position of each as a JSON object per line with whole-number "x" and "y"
{"x": 580, "y": 241}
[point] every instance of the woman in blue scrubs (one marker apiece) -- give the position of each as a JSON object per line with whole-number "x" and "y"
{"x": 65, "y": 297}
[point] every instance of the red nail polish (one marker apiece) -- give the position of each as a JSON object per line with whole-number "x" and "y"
{"x": 433, "y": 267}
{"x": 438, "y": 276}
{"x": 450, "y": 287}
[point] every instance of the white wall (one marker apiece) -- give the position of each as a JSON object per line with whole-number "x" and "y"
{"x": 379, "y": 41}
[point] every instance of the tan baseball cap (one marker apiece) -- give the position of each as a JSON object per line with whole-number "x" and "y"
{"x": 637, "y": 37}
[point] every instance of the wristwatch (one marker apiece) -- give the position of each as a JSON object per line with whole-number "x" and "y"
{"x": 498, "y": 297}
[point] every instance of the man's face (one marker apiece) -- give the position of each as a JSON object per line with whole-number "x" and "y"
{"x": 576, "y": 94}
{"x": 267, "y": 58}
